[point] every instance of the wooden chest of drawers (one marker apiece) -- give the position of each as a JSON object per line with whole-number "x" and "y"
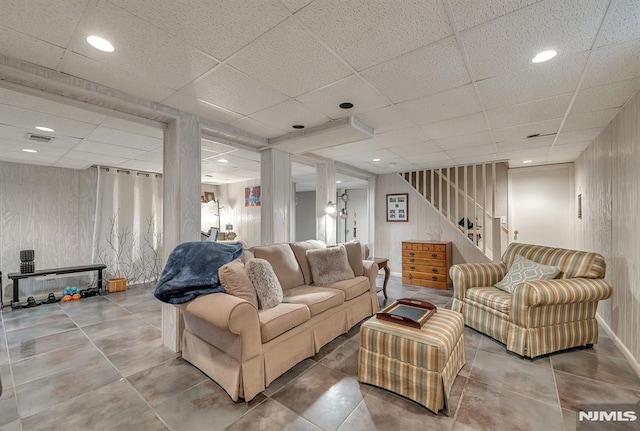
{"x": 426, "y": 263}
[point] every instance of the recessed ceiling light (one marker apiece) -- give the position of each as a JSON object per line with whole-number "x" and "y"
{"x": 44, "y": 129}
{"x": 543, "y": 56}
{"x": 27, "y": 150}
{"x": 346, "y": 105}
{"x": 338, "y": 182}
{"x": 99, "y": 43}
{"x": 527, "y": 161}
{"x": 223, "y": 160}
{"x": 376, "y": 160}
{"x": 298, "y": 126}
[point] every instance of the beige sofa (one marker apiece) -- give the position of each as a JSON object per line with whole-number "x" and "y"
{"x": 244, "y": 349}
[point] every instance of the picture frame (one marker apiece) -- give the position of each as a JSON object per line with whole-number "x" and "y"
{"x": 252, "y": 196}
{"x": 209, "y": 196}
{"x": 398, "y": 207}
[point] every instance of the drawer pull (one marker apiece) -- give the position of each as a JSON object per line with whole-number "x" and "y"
{"x": 412, "y": 254}
{"x": 434, "y": 255}
{"x": 410, "y": 276}
{"x": 412, "y": 267}
{"x": 411, "y": 260}
{"x": 434, "y": 278}
{"x": 434, "y": 270}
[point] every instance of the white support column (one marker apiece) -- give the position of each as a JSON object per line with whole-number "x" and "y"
{"x": 371, "y": 204}
{"x": 325, "y": 192}
{"x": 181, "y": 204}
{"x": 275, "y": 188}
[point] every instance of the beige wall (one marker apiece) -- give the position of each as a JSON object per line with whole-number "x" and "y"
{"x": 608, "y": 177}
{"x": 422, "y": 216}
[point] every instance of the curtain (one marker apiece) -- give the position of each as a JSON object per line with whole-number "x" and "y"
{"x": 127, "y": 231}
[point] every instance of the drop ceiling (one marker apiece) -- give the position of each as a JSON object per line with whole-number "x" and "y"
{"x": 442, "y": 82}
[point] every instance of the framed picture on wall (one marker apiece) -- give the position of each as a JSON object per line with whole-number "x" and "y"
{"x": 252, "y": 196}
{"x": 398, "y": 207}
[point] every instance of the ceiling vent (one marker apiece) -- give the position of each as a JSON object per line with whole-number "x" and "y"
{"x": 39, "y": 138}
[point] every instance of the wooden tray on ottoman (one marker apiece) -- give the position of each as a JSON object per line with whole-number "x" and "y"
{"x": 408, "y": 312}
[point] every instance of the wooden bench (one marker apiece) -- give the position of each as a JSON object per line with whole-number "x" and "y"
{"x": 17, "y": 276}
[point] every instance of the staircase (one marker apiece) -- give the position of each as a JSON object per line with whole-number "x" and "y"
{"x": 474, "y": 193}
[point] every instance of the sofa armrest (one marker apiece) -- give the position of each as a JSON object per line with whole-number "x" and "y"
{"x": 467, "y": 275}
{"x": 542, "y": 293}
{"x": 230, "y": 314}
{"x": 371, "y": 272}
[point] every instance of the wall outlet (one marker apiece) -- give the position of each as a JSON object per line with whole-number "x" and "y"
{"x": 503, "y": 219}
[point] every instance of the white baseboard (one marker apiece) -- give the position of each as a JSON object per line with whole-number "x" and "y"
{"x": 627, "y": 354}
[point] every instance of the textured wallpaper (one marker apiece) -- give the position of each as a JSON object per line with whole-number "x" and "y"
{"x": 608, "y": 178}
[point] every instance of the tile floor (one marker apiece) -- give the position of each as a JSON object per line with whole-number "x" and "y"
{"x": 99, "y": 364}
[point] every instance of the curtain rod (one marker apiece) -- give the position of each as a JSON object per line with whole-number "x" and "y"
{"x": 128, "y": 171}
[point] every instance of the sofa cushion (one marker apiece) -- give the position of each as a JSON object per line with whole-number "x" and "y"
{"x": 235, "y": 281}
{"x": 300, "y": 252}
{"x": 354, "y": 255}
{"x": 284, "y": 263}
{"x": 318, "y": 299}
{"x": 352, "y": 287}
{"x": 281, "y": 318}
{"x": 329, "y": 265}
{"x": 491, "y": 297}
{"x": 526, "y": 270}
{"x": 264, "y": 280}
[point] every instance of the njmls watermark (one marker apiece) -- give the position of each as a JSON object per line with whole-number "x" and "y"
{"x": 594, "y": 416}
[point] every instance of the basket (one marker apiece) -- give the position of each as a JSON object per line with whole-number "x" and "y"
{"x": 116, "y": 285}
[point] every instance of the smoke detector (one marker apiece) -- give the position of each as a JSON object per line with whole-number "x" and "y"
{"x": 39, "y": 138}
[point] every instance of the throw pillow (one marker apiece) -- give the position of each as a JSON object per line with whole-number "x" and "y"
{"x": 354, "y": 255}
{"x": 300, "y": 251}
{"x": 264, "y": 280}
{"x": 526, "y": 270}
{"x": 235, "y": 281}
{"x": 329, "y": 265}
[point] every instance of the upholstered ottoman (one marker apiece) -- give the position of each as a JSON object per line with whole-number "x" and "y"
{"x": 420, "y": 364}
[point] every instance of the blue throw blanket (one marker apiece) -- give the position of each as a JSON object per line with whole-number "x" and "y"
{"x": 192, "y": 270}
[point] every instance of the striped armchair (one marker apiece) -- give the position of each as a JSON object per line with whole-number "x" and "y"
{"x": 541, "y": 316}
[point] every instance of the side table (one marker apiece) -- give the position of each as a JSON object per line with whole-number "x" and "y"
{"x": 383, "y": 263}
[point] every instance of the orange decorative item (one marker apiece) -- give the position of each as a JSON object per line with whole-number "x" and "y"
{"x": 66, "y": 298}
{"x": 76, "y": 296}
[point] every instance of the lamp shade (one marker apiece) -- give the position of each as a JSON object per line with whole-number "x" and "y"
{"x": 331, "y": 208}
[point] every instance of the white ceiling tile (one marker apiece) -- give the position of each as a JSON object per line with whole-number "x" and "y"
{"x": 589, "y": 120}
{"x": 21, "y": 46}
{"x": 30, "y": 159}
{"x": 52, "y": 22}
{"x": 531, "y": 112}
{"x": 605, "y": 96}
{"x": 472, "y": 160}
{"x": 624, "y": 24}
{"x": 150, "y": 157}
{"x": 482, "y": 150}
{"x": 587, "y": 135}
{"x": 284, "y": 115}
{"x": 111, "y": 76}
{"x": 133, "y": 127}
{"x": 257, "y": 128}
{"x": 419, "y": 148}
{"x": 29, "y": 120}
{"x": 72, "y": 163}
{"x": 518, "y": 133}
{"x": 441, "y": 156}
{"x": 525, "y": 144}
{"x": 234, "y": 91}
{"x": 366, "y": 34}
{"x": 563, "y": 157}
{"x": 124, "y": 139}
{"x": 576, "y": 147}
{"x": 399, "y": 137}
{"x": 295, "y": 5}
{"x": 613, "y": 63}
{"x": 456, "y": 126}
{"x": 382, "y": 154}
{"x": 536, "y": 81}
{"x": 201, "y": 108}
{"x": 469, "y": 13}
{"x": 95, "y": 158}
{"x": 141, "y": 46}
{"x": 107, "y": 149}
{"x": 466, "y": 141}
{"x": 289, "y": 59}
{"x": 442, "y": 106}
{"x": 218, "y": 27}
{"x": 432, "y": 69}
{"x": 508, "y": 43}
{"x": 138, "y": 165}
{"x": 350, "y": 89}
{"x": 42, "y": 149}
{"x": 385, "y": 119}
{"x": 526, "y": 153}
